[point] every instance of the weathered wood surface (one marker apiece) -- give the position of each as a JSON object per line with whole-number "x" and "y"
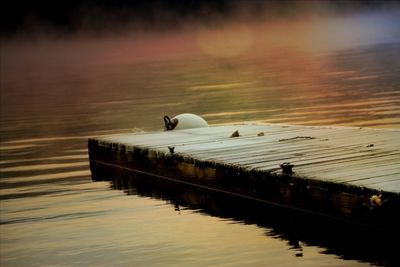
{"x": 358, "y": 162}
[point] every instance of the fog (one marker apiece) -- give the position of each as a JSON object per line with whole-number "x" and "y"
{"x": 315, "y": 53}
{"x": 42, "y": 18}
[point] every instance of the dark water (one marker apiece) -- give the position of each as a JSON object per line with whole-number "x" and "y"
{"x": 57, "y": 93}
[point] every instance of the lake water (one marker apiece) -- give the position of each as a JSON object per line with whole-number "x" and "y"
{"x": 56, "y": 93}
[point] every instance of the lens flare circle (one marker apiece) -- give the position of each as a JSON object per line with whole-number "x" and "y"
{"x": 225, "y": 42}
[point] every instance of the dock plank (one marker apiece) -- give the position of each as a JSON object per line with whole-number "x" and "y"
{"x": 326, "y": 153}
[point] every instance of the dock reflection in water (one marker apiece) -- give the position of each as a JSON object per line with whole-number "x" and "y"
{"x": 299, "y": 229}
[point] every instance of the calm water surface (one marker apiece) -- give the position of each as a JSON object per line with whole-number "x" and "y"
{"x": 57, "y": 93}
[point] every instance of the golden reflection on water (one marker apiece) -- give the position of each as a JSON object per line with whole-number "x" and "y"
{"x": 109, "y": 229}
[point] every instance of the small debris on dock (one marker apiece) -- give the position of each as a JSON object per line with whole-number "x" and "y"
{"x": 297, "y": 137}
{"x": 235, "y": 134}
{"x": 260, "y": 134}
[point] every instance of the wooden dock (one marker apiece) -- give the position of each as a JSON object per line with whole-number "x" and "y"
{"x": 347, "y": 173}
